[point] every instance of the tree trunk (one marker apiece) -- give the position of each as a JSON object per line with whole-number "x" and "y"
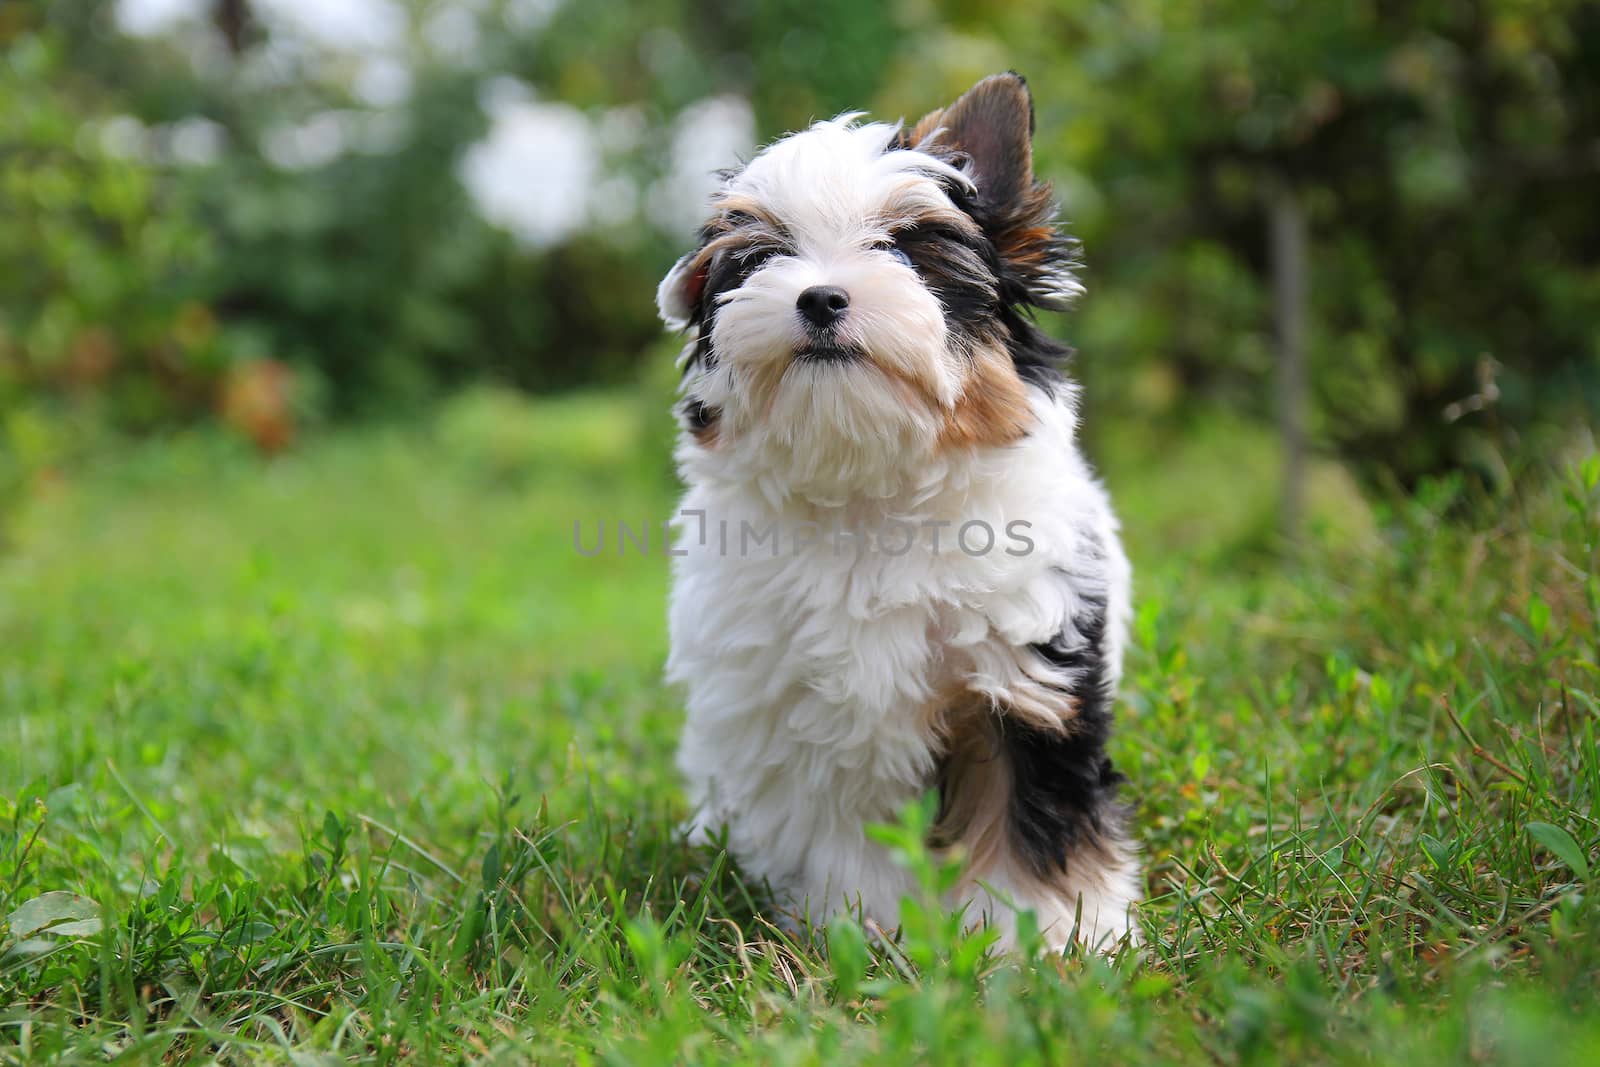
{"x": 1288, "y": 264}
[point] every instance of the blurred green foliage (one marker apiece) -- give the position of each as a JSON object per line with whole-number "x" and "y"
{"x": 1443, "y": 149}
{"x": 1444, "y": 152}
{"x": 99, "y": 291}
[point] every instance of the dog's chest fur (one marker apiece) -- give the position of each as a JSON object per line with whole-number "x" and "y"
{"x": 827, "y": 671}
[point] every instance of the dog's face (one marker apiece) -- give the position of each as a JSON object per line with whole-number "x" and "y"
{"x": 857, "y": 296}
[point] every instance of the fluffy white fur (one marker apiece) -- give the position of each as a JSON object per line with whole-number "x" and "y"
{"x": 815, "y": 675}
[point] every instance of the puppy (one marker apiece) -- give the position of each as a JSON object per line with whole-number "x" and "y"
{"x": 897, "y": 571}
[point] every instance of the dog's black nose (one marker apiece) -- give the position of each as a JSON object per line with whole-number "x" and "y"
{"x": 823, "y": 305}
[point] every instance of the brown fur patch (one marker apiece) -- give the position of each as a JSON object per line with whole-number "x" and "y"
{"x": 974, "y": 786}
{"x": 925, "y": 128}
{"x": 1031, "y": 248}
{"x": 993, "y": 409}
{"x": 737, "y": 211}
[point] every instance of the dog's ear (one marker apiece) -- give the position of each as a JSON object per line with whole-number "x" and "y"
{"x": 678, "y": 296}
{"x": 988, "y": 133}
{"x": 990, "y": 124}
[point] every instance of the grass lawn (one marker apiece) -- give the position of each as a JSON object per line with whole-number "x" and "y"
{"x": 350, "y": 755}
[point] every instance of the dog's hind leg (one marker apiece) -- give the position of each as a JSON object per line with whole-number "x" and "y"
{"x": 1030, "y": 799}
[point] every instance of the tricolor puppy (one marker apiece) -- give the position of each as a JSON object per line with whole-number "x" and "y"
{"x": 902, "y": 575}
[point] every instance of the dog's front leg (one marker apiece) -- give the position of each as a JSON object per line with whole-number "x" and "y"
{"x": 802, "y": 828}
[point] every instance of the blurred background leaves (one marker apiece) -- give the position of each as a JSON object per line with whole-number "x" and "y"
{"x": 280, "y": 213}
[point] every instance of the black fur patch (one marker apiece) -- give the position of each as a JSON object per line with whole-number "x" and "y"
{"x": 1037, "y": 356}
{"x": 959, "y": 270}
{"x": 1063, "y": 785}
{"x": 725, "y": 274}
{"x": 729, "y": 269}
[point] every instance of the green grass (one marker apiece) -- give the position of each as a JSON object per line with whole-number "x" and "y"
{"x": 349, "y": 755}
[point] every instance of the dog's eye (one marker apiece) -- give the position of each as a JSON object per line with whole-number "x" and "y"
{"x": 894, "y": 250}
